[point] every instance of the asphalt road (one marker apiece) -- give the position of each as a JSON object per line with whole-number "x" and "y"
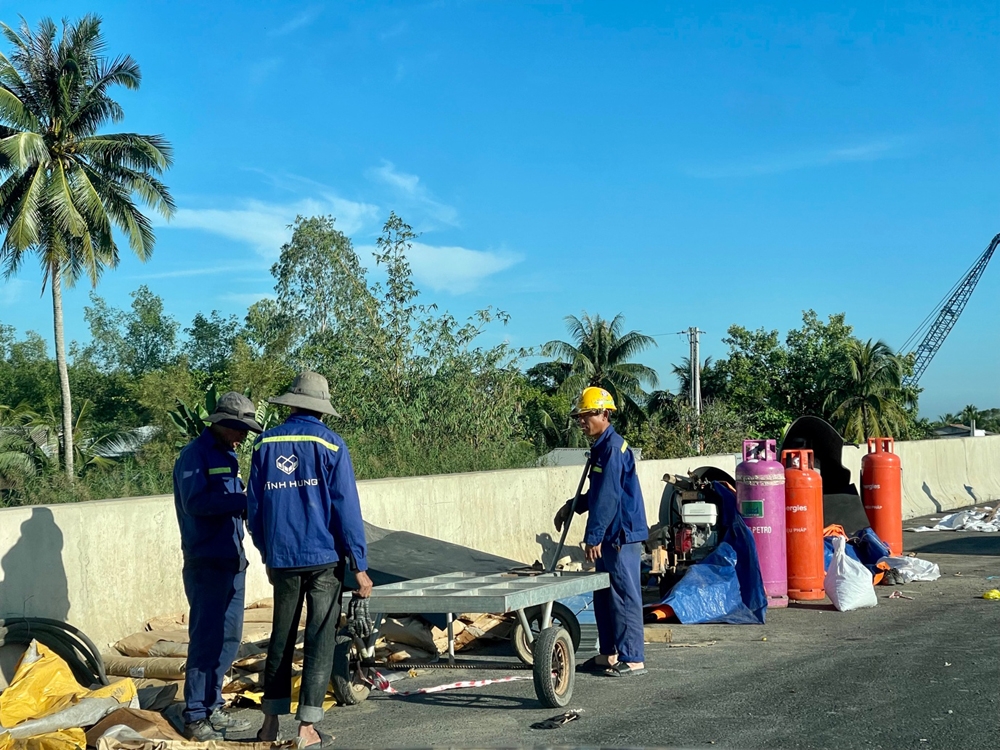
{"x": 920, "y": 673}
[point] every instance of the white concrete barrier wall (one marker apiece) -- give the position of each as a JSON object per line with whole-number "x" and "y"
{"x": 108, "y": 566}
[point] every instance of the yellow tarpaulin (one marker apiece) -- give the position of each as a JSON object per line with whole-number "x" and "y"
{"x": 328, "y": 702}
{"x": 44, "y": 684}
{"x": 67, "y": 739}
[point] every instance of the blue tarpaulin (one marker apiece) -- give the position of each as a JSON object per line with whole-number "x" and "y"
{"x": 726, "y": 586}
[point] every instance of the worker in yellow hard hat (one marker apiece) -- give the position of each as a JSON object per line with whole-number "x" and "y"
{"x": 616, "y": 528}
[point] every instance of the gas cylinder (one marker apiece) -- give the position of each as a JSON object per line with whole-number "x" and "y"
{"x": 803, "y": 525}
{"x": 760, "y": 495}
{"x": 882, "y": 492}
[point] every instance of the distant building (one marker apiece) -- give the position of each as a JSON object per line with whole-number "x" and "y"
{"x": 957, "y": 431}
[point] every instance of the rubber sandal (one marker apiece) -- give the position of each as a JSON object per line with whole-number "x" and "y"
{"x": 621, "y": 669}
{"x": 557, "y": 721}
{"x": 325, "y": 741}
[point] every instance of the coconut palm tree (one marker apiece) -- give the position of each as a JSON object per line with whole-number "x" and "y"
{"x": 872, "y": 401}
{"x": 21, "y": 447}
{"x": 600, "y": 355}
{"x": 66, "y": 187}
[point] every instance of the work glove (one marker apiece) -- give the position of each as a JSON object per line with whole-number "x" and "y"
{"x": 359, "y": 620}
{"x": 562, "y": 516}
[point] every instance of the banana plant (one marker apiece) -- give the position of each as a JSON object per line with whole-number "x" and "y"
{"x": 190, "y": 421}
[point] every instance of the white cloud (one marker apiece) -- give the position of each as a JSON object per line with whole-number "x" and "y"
{"x": 12, "y": 292}
{"x": 409, "y": 187}
{"x": 197, "y": 271}
{"x": 298, "y": 21}
{"x": 450, "y": 268}
{"x": 794, "y": 160}
{"x": 265, "y": 226}
{"x": 247, "y": 298}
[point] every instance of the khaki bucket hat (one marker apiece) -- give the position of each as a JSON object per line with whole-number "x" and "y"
{"x": 309, "y": 391}
{"x": 236, "y": 411}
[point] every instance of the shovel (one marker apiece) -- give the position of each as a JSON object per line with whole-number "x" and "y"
{"x": 569, "y": 518}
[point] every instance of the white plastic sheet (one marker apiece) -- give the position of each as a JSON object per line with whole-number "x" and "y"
{"x": 848, "y": 583}
{"x": 913, "y": 568}
{"x": 965, "y": 520}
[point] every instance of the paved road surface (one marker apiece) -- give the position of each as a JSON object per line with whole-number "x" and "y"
{"x": 907, "y": 674}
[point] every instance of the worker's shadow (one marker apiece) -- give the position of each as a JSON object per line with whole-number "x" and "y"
{"x": 34, "y": 579}
{"x": 550, "y": 546}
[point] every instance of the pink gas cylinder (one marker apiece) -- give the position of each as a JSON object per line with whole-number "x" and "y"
{"x": 760, "y": 495}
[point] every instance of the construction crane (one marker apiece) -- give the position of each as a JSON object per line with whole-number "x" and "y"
{"x": 935, "y": 328}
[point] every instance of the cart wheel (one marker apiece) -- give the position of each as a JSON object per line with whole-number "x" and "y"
{"x": 554, "y": 668}
{"x": 561, "y": 615}
{"x": 348, "y": 687}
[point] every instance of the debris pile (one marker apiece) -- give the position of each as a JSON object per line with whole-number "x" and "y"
{"x": 974, "y": 519}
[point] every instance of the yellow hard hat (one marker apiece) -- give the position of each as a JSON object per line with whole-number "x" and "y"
{"x": 593, "y": 399}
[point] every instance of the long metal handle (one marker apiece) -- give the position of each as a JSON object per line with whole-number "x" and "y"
{"x": 572, "y": 512}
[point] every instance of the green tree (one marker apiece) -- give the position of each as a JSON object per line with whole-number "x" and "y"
{"x": 754, "y": 373}
{"x": 319, "y": 278}
{"x": 210, "y": 342}
{"x": 66, "y": 186}
{"x": 138, "y": 341}
{"x": 712, "y": 380}
{"x": 28, "y": 373}
{"x": 873, "y": 401}
{"x": 21, "y": 455}
{"x": 817, "y": 362}
{"x": 601, "y": 355}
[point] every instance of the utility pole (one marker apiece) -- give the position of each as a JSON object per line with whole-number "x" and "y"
{"x": 695, "y": 394}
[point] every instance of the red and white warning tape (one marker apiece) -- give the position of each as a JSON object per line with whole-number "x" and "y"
{"x": 381, "y": 683}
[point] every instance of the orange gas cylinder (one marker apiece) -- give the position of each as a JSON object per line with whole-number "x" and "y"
{"x": 882, "y": 492}
{"x": 803, "y": 525}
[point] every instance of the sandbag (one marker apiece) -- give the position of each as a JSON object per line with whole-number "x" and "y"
{"x": 161, "y": 667}
{"x": 169, "y": 649}
{"x": 139, "y": 644}
{"x": 409, "y": 631}
{"x": 146, "y": 724}
{"x": 848, "y": 582}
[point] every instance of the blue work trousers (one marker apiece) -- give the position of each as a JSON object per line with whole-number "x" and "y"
{"x": 618, "y": 610}
{"x": 215, "y": 629}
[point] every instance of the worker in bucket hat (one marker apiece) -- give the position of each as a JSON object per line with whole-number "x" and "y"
{"x": 210, "y": 500}
{"x": 304, "y": 516}
{"x": 616, "y": 528}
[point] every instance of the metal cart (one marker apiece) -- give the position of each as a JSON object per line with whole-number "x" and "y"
{"x": 554, "y": 661}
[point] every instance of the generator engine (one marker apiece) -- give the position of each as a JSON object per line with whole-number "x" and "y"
{"x": 687, "y": 530}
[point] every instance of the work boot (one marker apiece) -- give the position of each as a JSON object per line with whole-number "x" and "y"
{"x": 202, "y": 731}
{"x": 223, "y": 721}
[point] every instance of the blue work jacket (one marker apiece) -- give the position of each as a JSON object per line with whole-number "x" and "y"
{"x": 210, "y": 500}
{"x": 302, "y": 505}
{"x": 614, "y": 498}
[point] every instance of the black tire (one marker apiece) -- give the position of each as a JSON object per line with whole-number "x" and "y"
{"x": 561, "y": 615}
{"x": 555, "y": 667}
{"x": 347, "y": 687}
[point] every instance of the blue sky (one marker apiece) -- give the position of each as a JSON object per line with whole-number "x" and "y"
{"x": 681, "y": 163}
